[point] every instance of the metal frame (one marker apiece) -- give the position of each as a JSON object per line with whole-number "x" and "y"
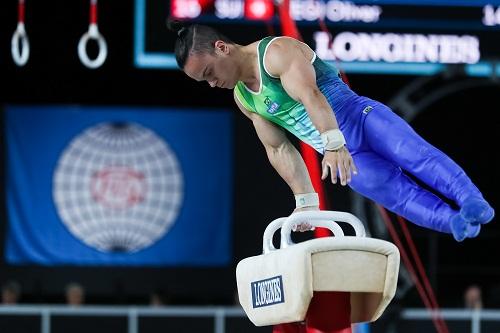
{"x": 133, "y": 313}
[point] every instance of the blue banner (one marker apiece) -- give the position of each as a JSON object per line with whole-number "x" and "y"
{"x": 118, "y": 186}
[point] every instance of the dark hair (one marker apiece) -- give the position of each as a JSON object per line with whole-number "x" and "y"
{"x": 12, "y": 286}
{"x": 194, "y": 38}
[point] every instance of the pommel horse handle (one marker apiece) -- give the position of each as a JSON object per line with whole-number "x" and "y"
{"x": 323, "y": 219}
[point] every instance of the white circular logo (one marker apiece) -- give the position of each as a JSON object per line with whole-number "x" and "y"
{"x": 118, "y": 187}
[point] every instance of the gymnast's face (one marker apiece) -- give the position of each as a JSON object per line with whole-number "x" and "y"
{"x": 219, "y": 68}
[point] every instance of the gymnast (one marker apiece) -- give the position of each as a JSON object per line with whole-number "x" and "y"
{"x": 279, "y": 83}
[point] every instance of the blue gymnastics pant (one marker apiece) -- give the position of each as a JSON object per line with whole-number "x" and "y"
{"x": 385, "y": 150}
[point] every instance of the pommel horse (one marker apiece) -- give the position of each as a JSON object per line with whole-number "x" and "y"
{"x": 281, "y": 285}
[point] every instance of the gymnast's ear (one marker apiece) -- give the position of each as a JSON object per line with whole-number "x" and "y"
{"x": 221, "y": 47}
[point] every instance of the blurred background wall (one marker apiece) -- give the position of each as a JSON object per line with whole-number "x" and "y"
{"x": 462, "y": 121}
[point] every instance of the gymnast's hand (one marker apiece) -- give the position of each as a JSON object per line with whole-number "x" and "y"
{"x": 338, "y": 161}
{"x": 301, "y": 227}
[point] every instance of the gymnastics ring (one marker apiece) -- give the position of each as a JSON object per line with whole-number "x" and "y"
{"x": 92, "y": 33}
{"x": 20, "y": 38}
{"x": 20, "y": 55}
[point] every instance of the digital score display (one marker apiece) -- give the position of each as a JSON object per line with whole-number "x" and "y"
{"x": 385, "y": 36}
{"x": 408, "y": 13}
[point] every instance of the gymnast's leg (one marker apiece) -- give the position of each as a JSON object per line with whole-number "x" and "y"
{"x": 405, "y": 148}
{"x": 386, "y": 184}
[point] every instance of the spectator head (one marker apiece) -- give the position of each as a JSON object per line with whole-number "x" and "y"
{"x": 159, "y": 298}
{"x": 11, "y": 292}
{"x": 75, "y": 294}
{"x": 473, "y": 297}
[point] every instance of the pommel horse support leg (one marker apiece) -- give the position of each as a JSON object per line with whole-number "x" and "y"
{"x": 352, "y": 278}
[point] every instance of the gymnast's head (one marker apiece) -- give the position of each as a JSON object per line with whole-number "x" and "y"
{"x": 205, "y": 54}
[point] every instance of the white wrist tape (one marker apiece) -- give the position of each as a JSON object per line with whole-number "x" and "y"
{"x": 306, "y": 200}
{"x": 333, "y": 139}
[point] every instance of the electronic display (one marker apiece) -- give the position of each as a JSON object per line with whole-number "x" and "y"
{"x": 386, "y": 36}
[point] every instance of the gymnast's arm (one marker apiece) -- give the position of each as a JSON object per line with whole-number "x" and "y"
{"x": 285, "y": 59}
{"x": 283, "y": 156}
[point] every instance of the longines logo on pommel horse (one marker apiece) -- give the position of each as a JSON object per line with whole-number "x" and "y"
{"x": 277, "y": 286}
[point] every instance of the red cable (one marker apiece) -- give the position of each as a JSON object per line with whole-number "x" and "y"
{"x": 438, "y": 324}
{"x": 288, "y": 26}
{"x": 420, "y": 267}
{"x": 313, "y": 166}
{"x": 93, "y": 12}
{"x": 421, "y": 270}
{"x": 270, "y": 28}
{"x": 20, "y": 11}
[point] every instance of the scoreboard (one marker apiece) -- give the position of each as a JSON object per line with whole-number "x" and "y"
{"x": 383, "y": 36}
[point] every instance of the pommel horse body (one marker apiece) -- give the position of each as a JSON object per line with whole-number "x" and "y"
{"x": 277, "y": 286}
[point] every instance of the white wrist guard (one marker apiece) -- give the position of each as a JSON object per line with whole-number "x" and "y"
{"x": 333, "y": 139}
{"x": 306, "y": 200}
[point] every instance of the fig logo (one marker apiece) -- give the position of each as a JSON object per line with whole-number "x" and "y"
{"x": 118, "y": 187}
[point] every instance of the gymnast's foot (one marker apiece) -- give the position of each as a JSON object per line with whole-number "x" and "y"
{"x": 462, "y": 228}
{"x": 477, "y": 210}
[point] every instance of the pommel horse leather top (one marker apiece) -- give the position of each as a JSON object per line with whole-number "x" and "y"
{"x": 277, "y": 286}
